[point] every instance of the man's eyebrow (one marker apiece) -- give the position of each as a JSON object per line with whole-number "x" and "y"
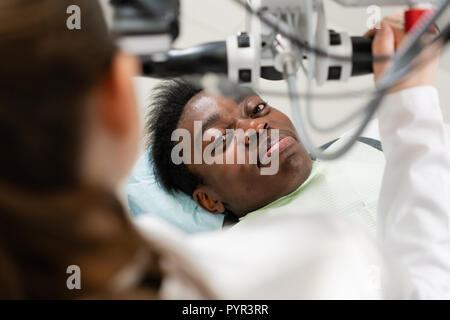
{"x": 236, "y": 92}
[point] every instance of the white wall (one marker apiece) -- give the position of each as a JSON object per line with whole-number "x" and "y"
{"x": 209, "y": 20}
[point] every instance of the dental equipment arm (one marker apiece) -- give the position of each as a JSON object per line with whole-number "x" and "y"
{"x": 145, "y": 26}
{"x": 148, "y": 28}
{"x": 276, "y": 31}
{"x": 215, "y": 57}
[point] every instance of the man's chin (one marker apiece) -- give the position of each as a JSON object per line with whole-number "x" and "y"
{"x": 295, "y": 166}
{"x": 292, "y": 157}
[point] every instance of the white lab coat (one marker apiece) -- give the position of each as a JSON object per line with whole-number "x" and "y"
{"x": 414, "y": 204}
{"x": 324, "y": 256}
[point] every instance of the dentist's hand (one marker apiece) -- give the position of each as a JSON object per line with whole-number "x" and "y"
{"x": 385, "y": 43}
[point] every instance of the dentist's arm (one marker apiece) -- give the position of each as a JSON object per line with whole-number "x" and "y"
{"x": 414, "y": 204}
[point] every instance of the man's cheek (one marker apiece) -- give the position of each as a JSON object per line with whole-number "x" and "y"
{"x": 223, "y": 173}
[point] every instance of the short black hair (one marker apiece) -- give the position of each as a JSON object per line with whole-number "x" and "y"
{"x": 169, "y": 99}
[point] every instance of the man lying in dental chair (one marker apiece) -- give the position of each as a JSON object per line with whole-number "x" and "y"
{"x": 202, "y": 196}
{"x": 293, "y": 182}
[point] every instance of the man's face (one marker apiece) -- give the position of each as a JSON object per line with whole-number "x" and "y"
{"x": 241, "y": 188}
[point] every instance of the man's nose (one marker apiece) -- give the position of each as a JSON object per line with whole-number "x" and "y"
{"x": 251, "y": 127}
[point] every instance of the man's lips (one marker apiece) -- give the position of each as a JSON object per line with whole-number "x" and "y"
{"x": 280, "y": 145}
{"x": 275, "y": 146}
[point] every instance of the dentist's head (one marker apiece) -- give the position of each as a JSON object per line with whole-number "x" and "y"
{"x": 67, "y": 110}
{"x": 69, "y": 135}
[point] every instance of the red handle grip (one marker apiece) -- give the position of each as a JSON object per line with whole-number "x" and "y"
{"x": 414, "y": 15}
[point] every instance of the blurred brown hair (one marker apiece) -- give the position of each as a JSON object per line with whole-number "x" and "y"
{"x": 48, "y": 221}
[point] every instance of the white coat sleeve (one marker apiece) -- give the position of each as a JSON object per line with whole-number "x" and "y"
{"x": 414, "y": 203}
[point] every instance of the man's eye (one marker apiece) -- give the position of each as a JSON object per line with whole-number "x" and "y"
{"x": 260, "y": 107}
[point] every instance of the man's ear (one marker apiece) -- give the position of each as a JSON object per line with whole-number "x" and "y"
{"x": 117, "y": 105}
{"x": 207, "y": 200}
